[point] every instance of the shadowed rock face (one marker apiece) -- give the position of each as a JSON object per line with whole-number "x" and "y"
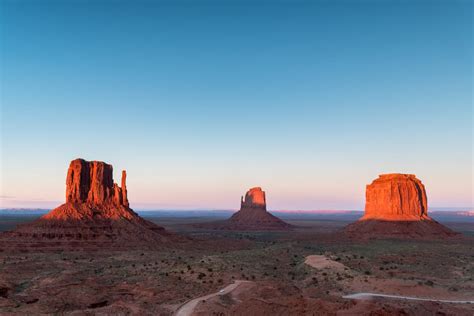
{"x": 396, "y": 197}
{"x": 396, "y": 206}
{"x": 96, "y": 215}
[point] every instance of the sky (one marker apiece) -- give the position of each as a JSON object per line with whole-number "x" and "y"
{"x": 201, "y": 100}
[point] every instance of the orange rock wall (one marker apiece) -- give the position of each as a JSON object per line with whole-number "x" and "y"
{"x": 254, "y": 198}
{"x": 396, "y": 197}
{"x": 92, "y": 182}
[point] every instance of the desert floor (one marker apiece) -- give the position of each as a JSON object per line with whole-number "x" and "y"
{"x": 280, "y": 276}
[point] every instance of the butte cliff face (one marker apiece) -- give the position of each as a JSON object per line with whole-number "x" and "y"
{"x": 92, "y": 182}
{"x": 396, "y": 197}
{"x": 397, "y": 206}
{"x": 254, "y": 199}
{"x": 253, "y": 214}
{"x": 96, "y": 215}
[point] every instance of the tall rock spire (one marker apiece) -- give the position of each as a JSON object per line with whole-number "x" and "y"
{"x": 124, "y": 188}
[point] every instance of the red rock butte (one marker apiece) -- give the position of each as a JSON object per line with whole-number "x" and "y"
{"x": 96, "y": 215}
{"x": 397, "y": 206}
{"x": 253, "y": 214}
{"x": 92, "y": 182}
{"x": 254, "y": 198}
{"x": 396, "y": 197}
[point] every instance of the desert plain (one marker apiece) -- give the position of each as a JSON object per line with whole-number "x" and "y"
{"x": 278, "y": 278}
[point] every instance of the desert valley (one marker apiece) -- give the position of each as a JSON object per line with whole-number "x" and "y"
{"x": 95, "y": 255}
{"x": 282, "y": 157}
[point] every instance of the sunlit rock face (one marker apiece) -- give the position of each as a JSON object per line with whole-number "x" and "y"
{"x": 396, "y": 207}
{"x": 96, "y": 215}
{"x": 254, "y": 199}
{"x": 396, "y": 196}
{"x": 92, "y": 182}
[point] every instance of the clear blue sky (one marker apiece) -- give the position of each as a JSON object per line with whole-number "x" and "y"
{"x": 201, "y": 100}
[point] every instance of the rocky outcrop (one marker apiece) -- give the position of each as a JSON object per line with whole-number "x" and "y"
{"x": 90, "y": 188}
{"x": 396, "y": 197}
{"x": 253, "y": 214}
{"x": 91, "y": 182}
{"x": 397, "y": 206}
{"x": 96, "y": 215}
{"x": 123, "y": 189}
{"x": 254, "y": 199}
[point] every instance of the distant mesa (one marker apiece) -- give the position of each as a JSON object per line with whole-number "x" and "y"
{"x": 396, "y": 206}
{"x": 253, "y": 215}
{"x": 96, "y": 214}
{"x": 254, "y": 198}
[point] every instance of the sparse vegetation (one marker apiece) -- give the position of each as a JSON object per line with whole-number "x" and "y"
{"x": 279, "y": 263}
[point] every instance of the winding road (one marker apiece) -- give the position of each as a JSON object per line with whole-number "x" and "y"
{"x": 187, "y": 308}
{"x": 364, "y": 296}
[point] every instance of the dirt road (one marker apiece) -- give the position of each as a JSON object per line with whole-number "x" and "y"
{"x": 187, "y": 308}
{"x": 364, "y": 296}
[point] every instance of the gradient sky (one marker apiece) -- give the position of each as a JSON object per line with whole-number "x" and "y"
{"x": 201, "y": 100}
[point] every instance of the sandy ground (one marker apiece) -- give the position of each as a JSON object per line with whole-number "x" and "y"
{"x": 187, "y": 308}
{"x": 322, "y": 262}
{"x": 293, "y": 273}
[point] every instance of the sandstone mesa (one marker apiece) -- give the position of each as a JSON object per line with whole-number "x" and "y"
{"x": 397, "y": 206}
{"x": 396, "y": 197}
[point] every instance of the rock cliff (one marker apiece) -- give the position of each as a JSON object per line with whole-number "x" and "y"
{"x": 396, "y": 197}
{"x": 254, "y": 199}
{"x": 253, "y": 214}
{"x": 397, "y": 206}
{"x": 96, "y": 215}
